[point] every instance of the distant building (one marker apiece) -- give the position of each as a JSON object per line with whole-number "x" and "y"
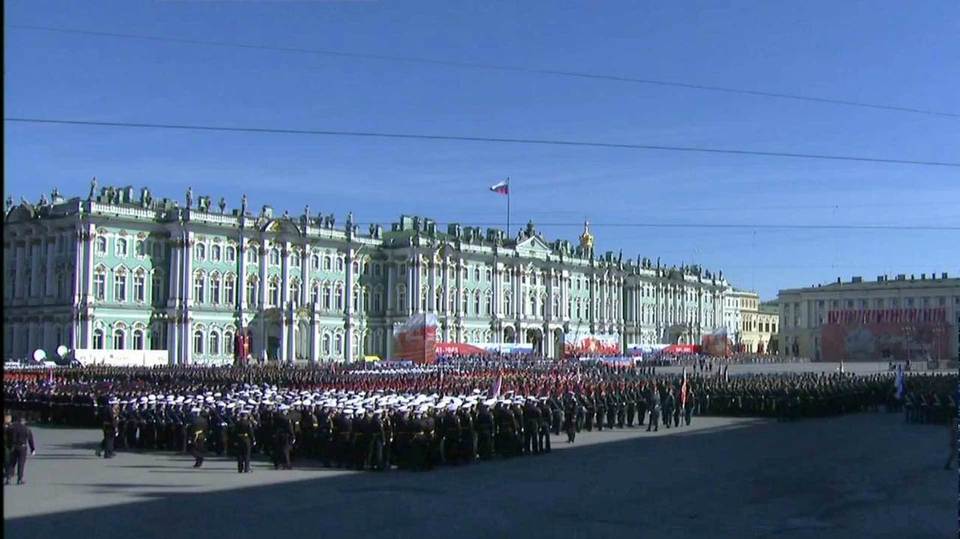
{"x": 750, "y": 325}
{"x": 907, "y": 317}
{"x": 119, "y": 272}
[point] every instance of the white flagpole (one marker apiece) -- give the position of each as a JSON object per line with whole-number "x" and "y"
{"x": 508, "y": 207}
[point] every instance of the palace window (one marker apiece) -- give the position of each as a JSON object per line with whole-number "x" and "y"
{"x": 327, "y": 295}
{"x": 228, "y": 343}
{"x": 198, "y": 287}
{"x": 214, "y": 349}
{"x": 356, "y": 300}
{"x": 356, "y": 267}
{"x": 326, "y": 263}
{"x": 315, "y": 262}
{"x": 138, "y": 339}
{"x": 215, "y": 253}
{"x": 401, "y": 299}
{"x": 139, "y": 248}
{"x": 476, "y": 273}
{"x": 339, "y": 343}
{"x": 139, "y": 286}
{"x": 465, "y": 303}
{"x": 230, "y": 254}
{"x": 118, "y": 339}
{"x": 315, "y": 294}
{"x": 200, "y": 251}
{"x": 156, "y": 288}
{"x": 488, "y": 308}
{"x": 326, "y": 344}
{"x": 476, "y": 303}
{"x": 273, "y": 292}
{"x": 340, "y": 264}
{"x": 274, "y": 257}
{"x": 252, "y": 291}
{"x": 215, "y": 289}
{"x": 339, "y": 298}
{"x": 120, "y": 285}
{"x": 101, "y": 245}
{"x": 295, "y": 290}
{"x": 438, "y": 300}
{"x": 295, "y": 259}
{"x": 253, "y": 256}
{"x": 229, "y": 290}
{"x": 489, "y": 275}
{"x": 198, "y": 342}
{"x": 377, "y": 302}
{"x": 98, "y": 339}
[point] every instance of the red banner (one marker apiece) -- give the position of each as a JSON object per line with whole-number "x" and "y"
{"x": 417, "y": 339}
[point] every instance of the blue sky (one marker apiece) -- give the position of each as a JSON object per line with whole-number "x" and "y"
{"x": 889, "y": 53}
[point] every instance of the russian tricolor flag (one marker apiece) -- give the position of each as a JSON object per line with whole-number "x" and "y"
{"x": 501, "y": 187}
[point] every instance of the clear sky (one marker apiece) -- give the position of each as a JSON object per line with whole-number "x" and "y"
{"x": 894, "y": 53}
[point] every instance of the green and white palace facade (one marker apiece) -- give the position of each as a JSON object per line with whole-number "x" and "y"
{"x": 122, "y": 275}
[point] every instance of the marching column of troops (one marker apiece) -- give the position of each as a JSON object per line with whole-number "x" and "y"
{"x": 364, "y": 417}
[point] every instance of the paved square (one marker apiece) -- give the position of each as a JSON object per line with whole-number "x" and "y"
{"x": 867, "y": 475}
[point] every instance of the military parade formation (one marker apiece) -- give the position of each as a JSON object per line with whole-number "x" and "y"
{"x": 463, "y": 410}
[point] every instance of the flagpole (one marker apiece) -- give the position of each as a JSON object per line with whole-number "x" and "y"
{"x": 508, "y": 207}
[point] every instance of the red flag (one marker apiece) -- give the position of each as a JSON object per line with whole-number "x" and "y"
{"x": 495, "y": 388}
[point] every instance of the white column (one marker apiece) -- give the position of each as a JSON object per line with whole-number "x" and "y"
{"x": 242, "y": 275}
{"x": 187, "y": 308}
{"x": 305, "y": 275}
{"x": 51, "y": 287}
{"x": 314, "y": 337}
{"x": 285, "y": 340}
{"x": 348, "y": 304}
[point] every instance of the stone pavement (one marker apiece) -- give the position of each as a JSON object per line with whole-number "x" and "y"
{"x": 867, "y": 475}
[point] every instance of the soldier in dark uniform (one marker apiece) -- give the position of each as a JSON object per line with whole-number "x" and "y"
{"x": 688, "y": 408}
{"x": 110, "y": 428}
{"x": 7, "y": 442}
{"x": 570, "y": 419}
{"x": 325, "y": 438}
{"x": 20, "y": 438}
{"x": 631, "y": 406}
{"x": 308, "y": 433}
{"x": 653, "y": 405}
{"x": 485, "y": 432}
{"x": 197, "y": 435}
{"x": 245, "y": 440}
{"x": 543, "y": 440}
{"x": 343, "y": 435}
{"x": 677, "y": 405}
{"x": 667, "y": 404}
{"x": 283, "y": 439}
{"x": 468, "y": 435}
{"x": 375, "y": 459}
{"x": 531, "y": 429}
{"x": 588, "y": 410}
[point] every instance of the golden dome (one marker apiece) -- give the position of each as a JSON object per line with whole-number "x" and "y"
{"x": 586, "y": 239}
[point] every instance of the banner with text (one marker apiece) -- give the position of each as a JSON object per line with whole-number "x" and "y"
{"x": 881, "y": 334}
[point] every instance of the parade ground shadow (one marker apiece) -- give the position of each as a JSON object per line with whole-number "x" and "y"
{"x": 855, "y": 476}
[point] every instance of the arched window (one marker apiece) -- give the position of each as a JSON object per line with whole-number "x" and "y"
{"x": 339, "y": 344}
{"x": 315, "y": 293}
{"x": 199, "y": 285}
{"x": 275, "y": 256}
{"x": 438, "y": 300}
{"x": 295, "y": 290}
{"x": 356, "y": 300}
{"x": 326, "y": 263}
{"x": 273, "y": 292}
{"x": 326, "y": 344}
{"x": 489, "y": 275}
{"x": 340, "y": 264}
{"x": 120, "y": 285}
{"x": 315, "y": 262}
{"x": 198, "y": 342}
{"x": 200, "y": 251}
{"x": 452, "y": 303}
{"x": 476, "y": 273}
{"x": 476, "y": 302}
{"x": 423, "y": 300}
{"x": 101, "y": 245}
{"x": 327, "y": 295}
{"x": 139, "y": 248}
{"x": 215, "y": 288}
{"x": 156, "y": 288}
{"x": 214, "y": 348}
{"x": 119, "y": 340}
{"x": 339, "y": 298}
{"x": 98, "y": 339}
{"x": 228, "y": 342}
{"x": 229, "y": 290}
{"x": 231, "y": 253}
{"x": 401, "y": 299}
{"x": 138, "y": 339}
{"x": 121, "y": 247}
{"x": 356, "y": 267}
{"x": 139, "y": 286}
{"x": 99, "y": 283}
{"x": 507, "y": 305}
{"x": 253, "y": 254}
{"x": 252, "y": 291}
{"x": 464, "y": 274}
{"x": 488, "y": 307}
{"x": 295, "y": 259}
{"x": 378, "y": 302}
{"x": 215, "y": 252}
